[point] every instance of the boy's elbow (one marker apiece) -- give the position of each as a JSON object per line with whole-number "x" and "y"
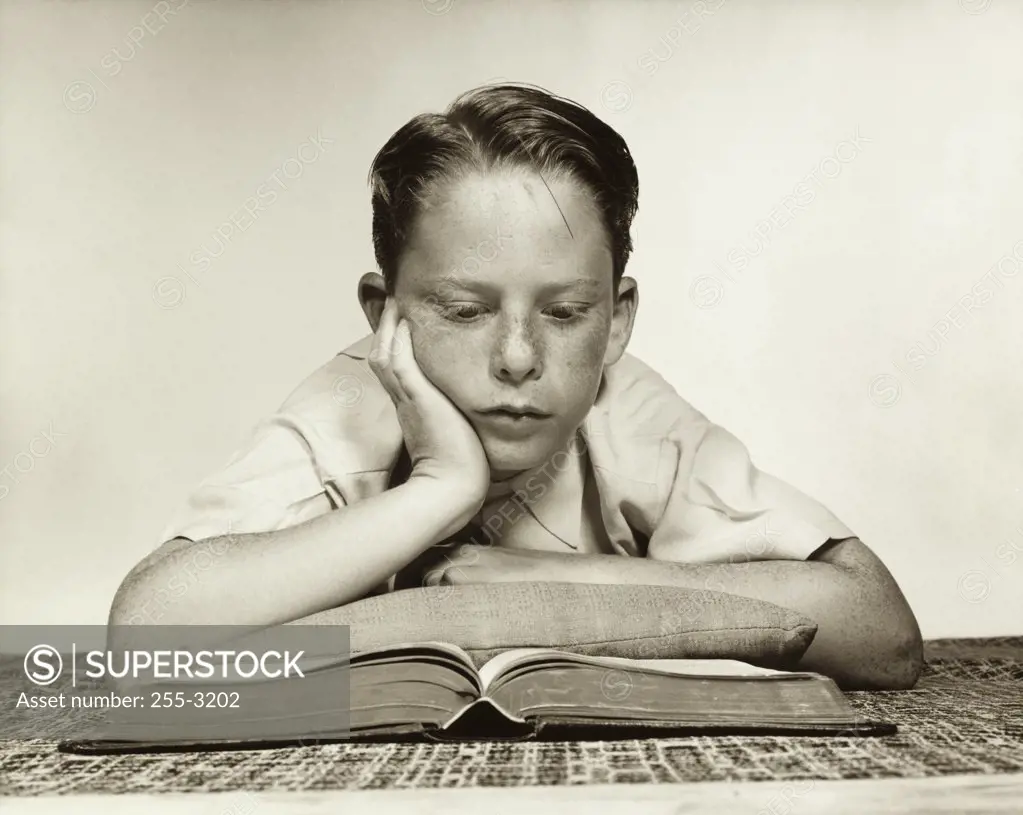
{"x": 136, "y": 602}
{"x": 891, "y": 659}
{"x": 901, "y": 658}
{"x": 908, "y": 649}
{"x": 881, "y": 644}
{"x": 126, "y": 607}
{"x": 889, "y": 654}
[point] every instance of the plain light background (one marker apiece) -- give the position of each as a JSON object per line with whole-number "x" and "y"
{"x": 120, "y": 159}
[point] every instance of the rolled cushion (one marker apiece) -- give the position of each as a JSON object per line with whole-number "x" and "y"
{"x": 637, "y": 622}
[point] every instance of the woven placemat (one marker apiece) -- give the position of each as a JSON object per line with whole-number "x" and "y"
{"x": 964, "y": 716}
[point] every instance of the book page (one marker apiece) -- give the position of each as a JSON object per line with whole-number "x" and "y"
{"x": 447, "y": 648}
{"x": 476, "y": 705}
{"x": 693, "y": 667}
{"x": 517, "y": 657}
{"x": 410, "y": 652}
{"x": 314, "y": 663}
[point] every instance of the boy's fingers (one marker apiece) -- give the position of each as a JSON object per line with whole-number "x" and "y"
{"x": 382, "y": 357}
{"x": 379, "y": 353}
{"x": 403, "y": 362}
{"x": 385, "y": 332}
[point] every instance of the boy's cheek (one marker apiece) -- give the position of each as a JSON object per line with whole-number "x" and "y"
{"x": 445, "y": 355}
{"x": 455, "y": 366}
{"x": 583, "y": 351}
{"x": 435, "y": 340}
{"x": 580, "y": 370}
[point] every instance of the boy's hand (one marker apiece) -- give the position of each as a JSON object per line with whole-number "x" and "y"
{"x": 473, "y": 563}
{"x": 441, "y": 443}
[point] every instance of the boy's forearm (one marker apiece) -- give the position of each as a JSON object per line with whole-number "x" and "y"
{"x": 867, "y": 636}
{"x": 276, "y": 577}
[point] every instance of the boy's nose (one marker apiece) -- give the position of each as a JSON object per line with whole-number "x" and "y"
{"x": 518, "y": 356}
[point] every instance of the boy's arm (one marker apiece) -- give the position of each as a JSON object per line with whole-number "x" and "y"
{"x": 867, "y": 636}
{"x": 266, "y": 579}
{"x": 297, "y": 569}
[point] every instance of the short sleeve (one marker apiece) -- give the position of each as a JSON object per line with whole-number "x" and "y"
{"x": 721, "y": 508}
{"x": 270, "y": 483}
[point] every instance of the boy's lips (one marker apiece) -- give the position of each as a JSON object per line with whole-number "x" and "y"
{"x": 514, "y": 419}
{"x": 516, "y": 411}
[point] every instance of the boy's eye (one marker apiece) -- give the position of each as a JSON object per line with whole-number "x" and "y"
{"x": 469, "y": 312}
{"x": 463, "y": 312}
{"x": 564, "y": 312}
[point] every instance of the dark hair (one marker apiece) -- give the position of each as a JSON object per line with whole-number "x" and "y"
{"x": 501, "y": 125}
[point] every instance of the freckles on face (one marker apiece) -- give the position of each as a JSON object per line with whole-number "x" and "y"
{"x": 508, "y": 288}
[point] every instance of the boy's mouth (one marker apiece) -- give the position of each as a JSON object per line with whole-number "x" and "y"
{"x": 513, "y": 424}
{"x": 514, "y": 420}
{"x": 515, "y": 412}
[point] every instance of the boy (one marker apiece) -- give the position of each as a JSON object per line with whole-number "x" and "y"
{"x": 494, "y": 405}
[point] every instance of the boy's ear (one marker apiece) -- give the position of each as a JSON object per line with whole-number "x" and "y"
{"x": 626, "y": 304}
{"x": 373, "y": 297}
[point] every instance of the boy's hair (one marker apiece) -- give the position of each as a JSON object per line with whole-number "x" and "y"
{"x": 501, "y": 126}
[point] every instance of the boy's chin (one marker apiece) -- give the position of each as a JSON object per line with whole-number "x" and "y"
{"x": 507, "y": 459}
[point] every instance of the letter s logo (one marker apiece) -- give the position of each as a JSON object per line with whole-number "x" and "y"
{"x": 39, "y": 666}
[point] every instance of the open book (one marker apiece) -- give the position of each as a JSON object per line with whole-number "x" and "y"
{"x": 520, "y": 692}
{"x": 433, "y": 690}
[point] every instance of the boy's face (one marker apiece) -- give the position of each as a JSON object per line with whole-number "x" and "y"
{"x": 511, "y": 304}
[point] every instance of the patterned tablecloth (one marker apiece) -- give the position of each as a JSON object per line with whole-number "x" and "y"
{"x": 964, "y": 716}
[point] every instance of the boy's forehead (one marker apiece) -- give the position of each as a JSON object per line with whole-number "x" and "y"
{"x": 507, "y": 221}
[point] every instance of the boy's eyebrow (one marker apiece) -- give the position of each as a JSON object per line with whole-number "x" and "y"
{"x": 584, "y": 283}
{"x": 451, "y": 281}
{"x": 472, "y": 284}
